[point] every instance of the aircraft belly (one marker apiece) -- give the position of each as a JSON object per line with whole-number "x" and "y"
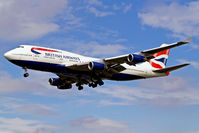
{"x": 129, "y": 74}
{"x": 43, "y": 66}
{"x": 125, "y": 77}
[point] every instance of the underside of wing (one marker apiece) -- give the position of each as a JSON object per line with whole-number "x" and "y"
{"x": 99, "y": 65}
{"x": 78, "y": 66}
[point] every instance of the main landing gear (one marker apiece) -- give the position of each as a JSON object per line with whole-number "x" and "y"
{"x": 94, "y": 84}
{"x": 91, "y": 84}
{"x": 80, "y": 87}
{"x": 26, "y": 74}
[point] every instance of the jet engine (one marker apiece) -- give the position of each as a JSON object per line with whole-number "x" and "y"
{"x": 134, "y": 58}
{"x": 59, "y": 83}
{"x": 96, "y": 66}
{"x": 55, "y": 81}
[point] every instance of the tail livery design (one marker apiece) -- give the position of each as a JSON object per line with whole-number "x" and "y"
{"x": 160, "y": 60}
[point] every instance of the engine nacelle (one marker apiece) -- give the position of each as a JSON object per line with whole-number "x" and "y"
{"x": 134, "y": 58}
{"x": 64, "y": 87}
{"x": 54, "y": 81}
{"x": 96, "y": 66}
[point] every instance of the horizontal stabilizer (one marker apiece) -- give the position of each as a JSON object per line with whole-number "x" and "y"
{"x": 169, "y": 69}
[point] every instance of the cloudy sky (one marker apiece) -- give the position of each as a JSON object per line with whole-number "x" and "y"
{"x": 100, "y": 28}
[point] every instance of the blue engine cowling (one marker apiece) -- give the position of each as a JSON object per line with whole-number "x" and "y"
{"x": 55, "y": 81}
{"x": 134, "y": 58}
{"x": 96, "y": 66}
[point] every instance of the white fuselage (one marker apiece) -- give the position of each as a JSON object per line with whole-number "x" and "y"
{"x": 56, "y": 61}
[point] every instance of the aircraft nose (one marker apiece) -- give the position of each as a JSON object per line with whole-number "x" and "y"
{"x": 7, "y": 55}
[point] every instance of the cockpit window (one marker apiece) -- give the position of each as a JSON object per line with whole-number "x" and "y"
{"x": 21, "y": 46}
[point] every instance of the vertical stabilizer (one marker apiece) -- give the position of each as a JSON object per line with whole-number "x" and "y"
{"x": 160, "y": 60}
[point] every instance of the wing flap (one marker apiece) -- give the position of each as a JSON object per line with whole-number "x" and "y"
{"x": 169, "y": 69}
{"x": 116, "y": 69}
{"x": 79, "y": 67}
{"x": 116, "y": 60}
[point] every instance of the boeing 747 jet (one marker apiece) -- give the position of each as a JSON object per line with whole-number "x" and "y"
{"x": 72, "y": 68}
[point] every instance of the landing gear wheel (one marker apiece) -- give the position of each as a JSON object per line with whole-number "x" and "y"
{"x": 90, "y": 84}
{"x": 80, "y": 88}
{"x": 100, "y": 82}
{"x": 94, "y": 85}
{"x": 26, "y": 75}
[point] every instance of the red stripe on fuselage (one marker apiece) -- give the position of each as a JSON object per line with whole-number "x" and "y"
{"x": 44, "y": 49}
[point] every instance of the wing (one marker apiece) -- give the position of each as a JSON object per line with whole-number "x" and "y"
{"x": 162, "y": 48}
{"x": 142, "y": 56}
{"x": 89, "y": 66}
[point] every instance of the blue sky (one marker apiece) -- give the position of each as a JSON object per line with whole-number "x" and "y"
{"x": 101, "y": 29}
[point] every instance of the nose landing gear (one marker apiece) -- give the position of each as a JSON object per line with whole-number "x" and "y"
{"x": 26, "y": 74}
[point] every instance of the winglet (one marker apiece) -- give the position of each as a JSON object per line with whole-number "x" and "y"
{"x": 185, "y": 41}
{"x": 188, "y": 40}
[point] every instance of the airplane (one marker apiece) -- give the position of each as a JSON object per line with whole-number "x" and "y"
{"x": 77, "y": 69}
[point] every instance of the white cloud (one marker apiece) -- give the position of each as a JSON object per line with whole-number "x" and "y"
{"x": 102, "y": 124}
{"x": 36, "y": 109}
{"x": 11, "y": 105}
{"x": 10, "y": 85}
{"x": 182, "y": 20}
{"x": 97, "y": 8}
{"x": 194, "y": 46}
{"x": 127, "y": 8}
{"x": 109, "y": 103}
{"x": 15, "y": 125}
{"x": 123, "y": 6}
{"x": 95, "y": 2}
{"x": 68, "y": 20}
{"x": 22, "y": 19}
{"x": 170, "y": 91}
{"x": 195, "y": 64}
{"x": 99, "y": 13}
{"x": 102, "y": 33}
{"x": 96, "y": 49}
{"x": 167, "y": 84}
{"x": 36, "y": 83}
